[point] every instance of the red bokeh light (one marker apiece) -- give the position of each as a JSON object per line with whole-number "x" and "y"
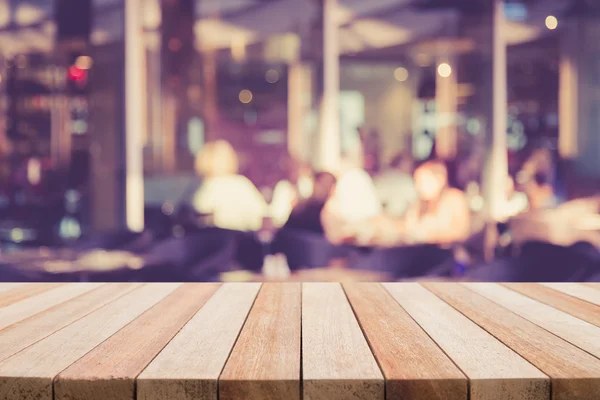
{"x": 77, "y": 74}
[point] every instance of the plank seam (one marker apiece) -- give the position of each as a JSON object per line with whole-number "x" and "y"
{"x": 434, "y": 341}
{"x": 71, "y": 323}
{"x": 237, "y": 337}
{"x": 366, "y": 340}
{"x": 539, "y": 326}
{"x": 496, "y": 337}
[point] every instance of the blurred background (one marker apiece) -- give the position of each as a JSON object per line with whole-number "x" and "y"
{"x": 299, "y": 139}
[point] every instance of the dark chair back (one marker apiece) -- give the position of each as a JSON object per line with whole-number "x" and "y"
{"x": 306, "y": 249}
{"x": 402, "y": 262}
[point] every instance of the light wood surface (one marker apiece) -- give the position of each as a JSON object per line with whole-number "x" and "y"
{"x": 492, "y": 377}
{"x": 406, "y": 341}
{"x": 33, "y": 305}
{"x": 28, "y": 375}
{"x": 265, "y": 362}
{"x": 18, "y": 293}
{"x": 413, "y": 365}
{"x": 579, "y": 290}
{"x": 561, "y": 301}
{"x": 189, "y": 366}
{"x": 6, "y": 286}
{"x": 575, "y": 374}
{"x": 108, "y": 372}
{"x": 572, "y": 329}
{"x": 337, "y": 363}
{"x": 33, "y": 329}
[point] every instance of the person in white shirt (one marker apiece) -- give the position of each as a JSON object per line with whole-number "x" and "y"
{"x": 231, "y": 199}
{"x": 351, "y": 212}
{"x": 396, "y": 187}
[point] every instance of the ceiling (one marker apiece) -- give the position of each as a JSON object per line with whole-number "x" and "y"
{"x": 365, "y": 25}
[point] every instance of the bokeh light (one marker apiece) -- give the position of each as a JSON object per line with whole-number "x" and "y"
{"x": 272, "y": 76}
{"x": 445, "y": 70}
{"x": 401, "y": 74}
{"x": 551, "y": 22}
{"x": 245, "y": 96}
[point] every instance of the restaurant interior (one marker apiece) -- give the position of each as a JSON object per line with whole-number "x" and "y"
{"x": 303, "y": 140}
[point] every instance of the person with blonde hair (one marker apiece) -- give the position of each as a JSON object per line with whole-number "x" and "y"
{"x": 230, "y": 199}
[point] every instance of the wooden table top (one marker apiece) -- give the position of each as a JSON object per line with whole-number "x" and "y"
{"x": 317, "y": 341}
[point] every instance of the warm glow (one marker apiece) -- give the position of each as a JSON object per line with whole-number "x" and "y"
{"x": 551, "y": 22}
{"x": 84, "y": 62}
{"x": 401, "y": 74}
{"x": 444, "y": 69}
{"x": 245, "y": 96}
{"x": 272, "y": 76}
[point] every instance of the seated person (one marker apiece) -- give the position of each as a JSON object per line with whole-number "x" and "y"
{"x": 232, "y": 201}
{"x": 353, "y": 210}
{"x": 306, "y": 215}
{"x": 442, "y": 213}
{"x": 396, "y": 187}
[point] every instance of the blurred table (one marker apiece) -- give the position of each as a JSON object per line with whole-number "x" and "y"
{"x": 288, "y": 341}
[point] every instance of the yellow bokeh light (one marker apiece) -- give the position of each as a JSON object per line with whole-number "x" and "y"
{"x": 245, "y": 96}
{"x": 551, "y": 22}
{"x": 401, "y": 74}
{"x": 84, "y": 62}
{"x": 444, "y": 69}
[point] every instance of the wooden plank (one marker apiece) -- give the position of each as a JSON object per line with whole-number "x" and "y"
{"x": 22, "y": 292}
{"x": 502, "y": 374}
{"x": 108, "y": 372}
{"x": 561, "y": 301}
{"x": 189, "y": 366}
{"x": 413, "y": 365}
{"x": 28, "y": 374}
{"x": 575, "y": 374}
{"x": 572, "y": 329}
{"x": 337, "y": 363}
{"x": 593, "y": 285}
{"x": 583, "y": 292}
{"x": 265, "y": 361}
{"x": 10, "y": 285}
{"x": 33, "y": 305}
{"x": 31, "y": 330}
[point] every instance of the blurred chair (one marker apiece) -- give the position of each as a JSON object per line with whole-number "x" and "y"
{"x": 543, "y": 262}
{"x": 306, "y": 249}
{"x": 405, "y": 262}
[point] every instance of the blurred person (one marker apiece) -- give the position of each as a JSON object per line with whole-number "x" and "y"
{"x": 231, "y": 199}
{"x": 515, "y": 202}
{"x": 288, "y": 192}
{"x": 442, "y": 214}
{"x": 396, "y": 186}
{"x": 539, "y": 191}
{"x": 353, "y": 210}
{"x": 306, "y": 215}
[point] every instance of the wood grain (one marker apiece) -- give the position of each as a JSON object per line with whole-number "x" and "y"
{"x": 265, "y": 362}
{"x": 413, "y": 365}
{"x": 21, "y": 292}
{"x": 578, "y": 290}
{"x": 10, "y": 285}
{"x": 33, "y": 329}
{"x": 502, "y": 374}
{"x": 189, "y": 366}
{"x": 28, "y": 374}
{"x": 575, "y": 374}
{"x": 561, "y": 301}
{"x": 108, "y": 372}
{"x": 337, "y": 363}
{"x": 572, "y": 329}
{"x": 33, "y": 305}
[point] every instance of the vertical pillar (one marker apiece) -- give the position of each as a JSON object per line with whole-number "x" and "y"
{"x": 329, "y": 124}
{"x": 496, "y": 168}
{"x": 117, "y": 124}
{"x": 135, "y": 115}
{"x": 568, "y": 90}
{"x": 299, "y": 104}
{"x": 446, "y": 101}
